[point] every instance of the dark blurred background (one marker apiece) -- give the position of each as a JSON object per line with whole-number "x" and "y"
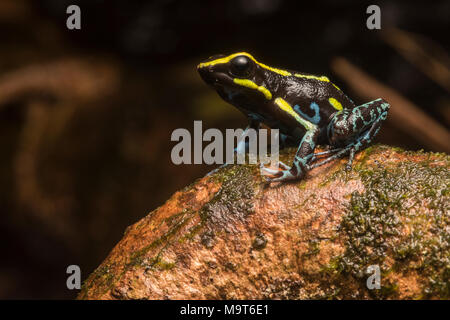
{"x": 86, "y": 115}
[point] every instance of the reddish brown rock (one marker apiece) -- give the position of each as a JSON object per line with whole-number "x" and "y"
{"x": 231, "y": 236}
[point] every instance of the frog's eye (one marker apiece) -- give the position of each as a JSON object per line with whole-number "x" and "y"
{"x": 240, "y": 66}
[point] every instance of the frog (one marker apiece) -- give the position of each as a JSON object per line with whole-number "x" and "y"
{"x": 308, "y": 110}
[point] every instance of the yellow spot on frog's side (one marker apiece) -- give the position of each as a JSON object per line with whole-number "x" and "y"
{"x": 336, "y": 104}
{"x": 228, "y": 58}
{"x": 285, "y": 106}
{"x": 250, "y": 84}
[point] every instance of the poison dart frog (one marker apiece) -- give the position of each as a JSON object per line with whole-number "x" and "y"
{"x": 307, "y": 109}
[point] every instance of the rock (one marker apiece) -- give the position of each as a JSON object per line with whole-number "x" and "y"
{"x": 232, "y": 236}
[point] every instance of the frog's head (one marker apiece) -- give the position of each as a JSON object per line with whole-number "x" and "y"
{"x": 237, "y": 76}
{"x": 221, "y": 70}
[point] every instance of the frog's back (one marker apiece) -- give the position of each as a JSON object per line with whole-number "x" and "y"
{"x": 314, "y": 98}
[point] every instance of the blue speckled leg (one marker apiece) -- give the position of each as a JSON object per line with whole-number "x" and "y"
{"x": 357, "y": 127}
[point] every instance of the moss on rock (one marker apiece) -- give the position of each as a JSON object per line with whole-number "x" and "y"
{"x": 231, "y": 236}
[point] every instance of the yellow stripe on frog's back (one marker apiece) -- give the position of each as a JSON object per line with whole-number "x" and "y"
{"x": 310, "y": 76}
{"x": 320, "y": 78}
{"x": 262, "y": 65}
{"x": 285, "y": 106}
{"x": 231, "y": 56}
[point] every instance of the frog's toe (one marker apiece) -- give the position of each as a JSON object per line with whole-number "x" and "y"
{"x": 282, "y": 175}
{"x": 274, "y": 172}
{"x": 282, "y": 165}
{"x": 269, "y": 172}
{"x": 275, "y": 175}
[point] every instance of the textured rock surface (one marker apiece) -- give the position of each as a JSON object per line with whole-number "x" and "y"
{"x": 231, "y": 236}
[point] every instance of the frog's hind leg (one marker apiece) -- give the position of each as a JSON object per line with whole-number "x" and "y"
{"x": 357, "y": 126}
{"x": 351, "y": 148}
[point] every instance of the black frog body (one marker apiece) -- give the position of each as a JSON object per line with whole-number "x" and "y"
{"x": 307, "y": 109}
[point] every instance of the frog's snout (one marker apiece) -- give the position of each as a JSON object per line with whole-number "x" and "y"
{"x": 214, "y": 77}
{"x": 206, "y": 73}
{"x": 214, "y": 71}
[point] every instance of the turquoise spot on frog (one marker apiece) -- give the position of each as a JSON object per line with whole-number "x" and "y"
{"x": 313, "y": 106}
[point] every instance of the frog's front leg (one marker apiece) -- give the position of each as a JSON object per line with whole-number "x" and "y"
{"x": 242, "y": 146}
{"x": 300, "y": 166}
